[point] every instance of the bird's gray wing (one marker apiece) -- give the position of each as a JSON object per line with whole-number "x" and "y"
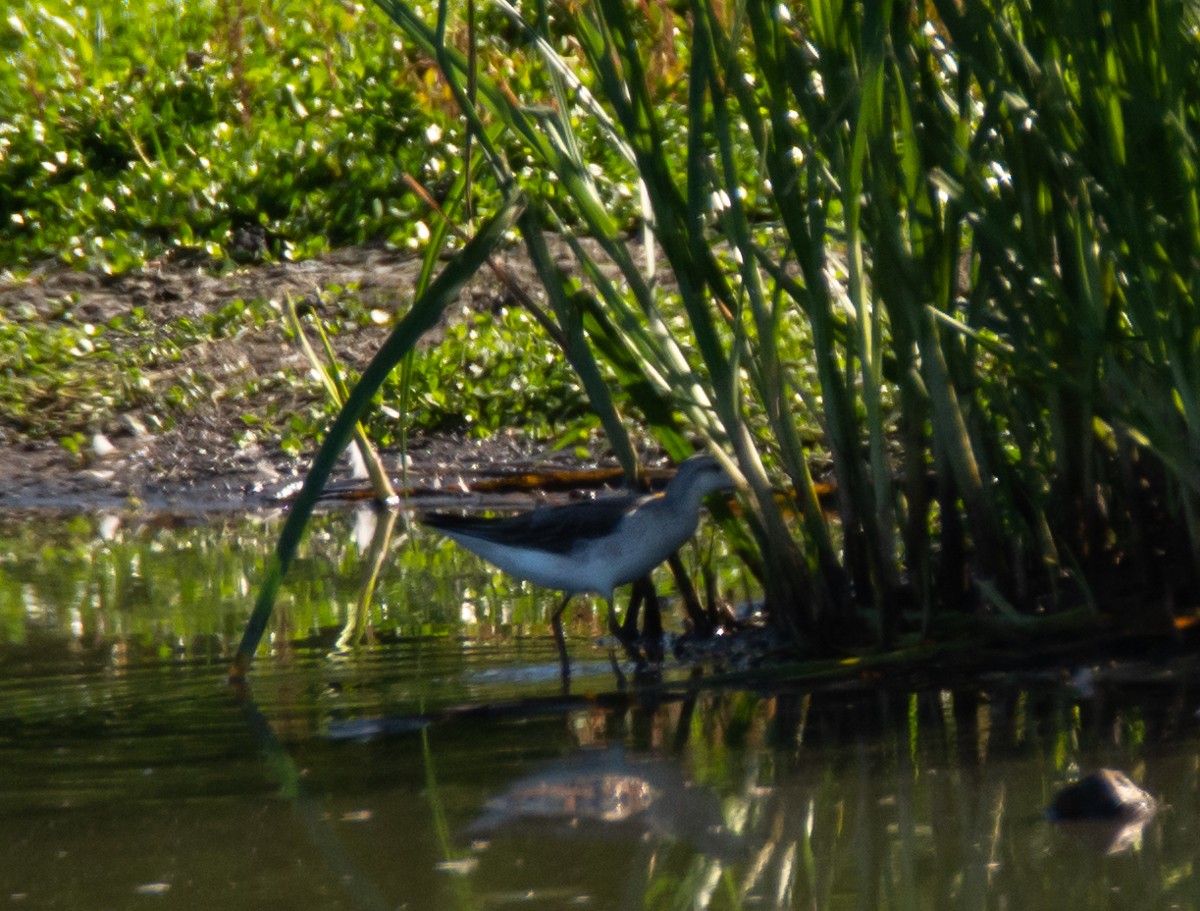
{"x": 556, "y": 529}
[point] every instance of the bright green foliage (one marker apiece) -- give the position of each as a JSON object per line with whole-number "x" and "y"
{"x": 129, "y": 130}
{"x": 62, "y": 377}
{"x": 491, "y": 372}
{"x": 960, "y": 216}
{"x": 65, "y": 379}
{"x": 919, "y": 241}
{"x": 39, "y": 361}
{"x": 237, "y": 128}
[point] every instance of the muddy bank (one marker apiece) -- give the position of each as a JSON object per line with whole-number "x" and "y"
{"x": 205, "y": 472}
{"x": 200, "y": 463}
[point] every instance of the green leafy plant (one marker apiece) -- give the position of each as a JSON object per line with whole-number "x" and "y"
{"x": 64, "y": 377}
{"x": 952, "y": 223}
{"x": 243, "y": 132}
{"x": 492, "y": 371}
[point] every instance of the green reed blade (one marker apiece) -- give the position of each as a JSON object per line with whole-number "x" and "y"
{"x": 424, "y": 314}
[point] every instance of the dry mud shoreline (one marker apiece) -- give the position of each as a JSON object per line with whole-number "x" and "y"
{"x": 199, "y": 464}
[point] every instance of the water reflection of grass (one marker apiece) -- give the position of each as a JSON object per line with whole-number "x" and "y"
{"x": 874, "y": 798}
{"x": 184, "y": 591}
{"x": 853, "y": 795}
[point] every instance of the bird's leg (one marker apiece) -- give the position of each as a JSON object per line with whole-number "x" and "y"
{"x": 651, "y": 637}
{"x": 612, "y": 653}
{"x": 626, "y": 633}
{"x": 702, "y": 624}
{"x": 561, "y": 641}
{"x": 652, "y": 628}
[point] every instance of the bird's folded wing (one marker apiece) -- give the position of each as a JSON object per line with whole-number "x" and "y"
{"x": 557, "y": 529}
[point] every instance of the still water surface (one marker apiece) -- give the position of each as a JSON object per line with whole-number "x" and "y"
{"x": 417, "y": 752}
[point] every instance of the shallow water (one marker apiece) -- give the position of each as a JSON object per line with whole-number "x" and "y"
{"x": 423, "y": 755}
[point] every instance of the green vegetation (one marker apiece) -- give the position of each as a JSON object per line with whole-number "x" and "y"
{"x": 492, "y": 372}
{"x": 999, "y": 295}
{"x": 913, "y": 242}
{"x": 132, "y": 130}
{"x": 232, "y": 130}
{"x": 220, "y": 133}
{"x": 62, "y": 377}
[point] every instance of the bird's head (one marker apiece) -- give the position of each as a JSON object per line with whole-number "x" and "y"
{"x": 701, "y": 475}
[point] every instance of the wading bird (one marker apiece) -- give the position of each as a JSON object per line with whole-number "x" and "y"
{"x": 593, "y": 546}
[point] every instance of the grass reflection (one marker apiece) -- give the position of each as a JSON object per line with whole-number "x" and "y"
{"x": 876, "y": 790}
{"x": 124, "y": 590}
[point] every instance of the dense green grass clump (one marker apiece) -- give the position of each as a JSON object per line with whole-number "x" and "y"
{"x": 231, "y": 132}
{"x": 984, "y": 218}
{"x": 492, "y": 372}
{"x": 949, "y": 249}
{"x": 239, "y": 128}
{"x": 242, "y": 129}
